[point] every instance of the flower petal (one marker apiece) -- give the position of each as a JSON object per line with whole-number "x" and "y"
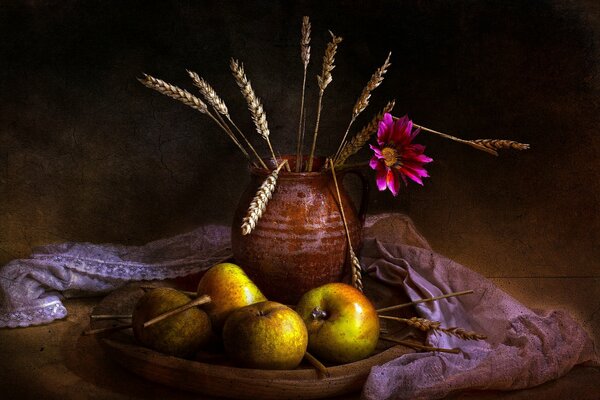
{"x": 374, "y": 163}
{"x": 410, "y": 174}
{"x": 386, "y": 126}
{"x": 380, "y": 178}
{"x": 393, "y": 182}
{"x": 377, "y": 151}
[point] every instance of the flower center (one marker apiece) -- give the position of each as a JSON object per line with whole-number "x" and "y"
{"x": 390, "y": 156}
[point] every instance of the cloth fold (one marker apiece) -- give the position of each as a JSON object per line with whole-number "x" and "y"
{"x": 525, "y": 348}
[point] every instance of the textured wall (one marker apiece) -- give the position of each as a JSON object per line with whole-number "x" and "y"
{"x": 89, "y": 154}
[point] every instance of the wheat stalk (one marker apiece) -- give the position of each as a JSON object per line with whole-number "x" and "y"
{"x": 212, "y": 98}
{"x": 363, "y": 99}
{"x": 323, "y": 80}
{"x": 356, "y": 269}
{"x": 363, "y": 136}
{"x": 190, "y": 100}
{"x": 487, "y": 145}
{"x": 500, "y": 144}
{"x": 260, "y": 201}
{"x": 427, "y": 325}
{"x": 305, "y": 56}
{"x": 259, "y": 117}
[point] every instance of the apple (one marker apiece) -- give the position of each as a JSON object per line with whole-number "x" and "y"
{"x": 229, "y": 289}
{"x": 266, "y": 335}
{"x": 342, "y": 323}
{"x": 180, "y": 335}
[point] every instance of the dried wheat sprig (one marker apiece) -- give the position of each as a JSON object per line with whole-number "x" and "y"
{"x": 363, "y": 136}
{"x": 500, "y": 144}
{"x": 219, "y": 105}
{"x": 260, "y": 201}
{"x": 174, "y": 92}
{"x": 356, "y": 269}
{"x": 363, "y": 100}
{"x": 259, "y": 117}
{"x": 462, "y": 333}
{"x": 419, "y": 323}
{"x": 190, "y": 100}
{"x": 418, "y": 346}
{"x": 323, "y": 80}
{"x": 485, "y": 145}
{"x": 425, "y": 300}
{"x": 305, "y": 56}
{"x": 427, "y": 325}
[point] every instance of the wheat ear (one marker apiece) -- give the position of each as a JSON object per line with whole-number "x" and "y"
{"x": 254, "y": 105}
{"x": 500, "y": 144}
{"x": 427, "y": 325}
{"x": 363, "y": 136}
{"x": 323, "y": 80}
{"x": 190, "y": 100}
{"x": 260, "y": 201}
{"x": 487, "y": 145}
{"x": 356, "y": 268}
{"x": 212, "y": 98}
{"x": 305, "y": 56}
{"x": 363, "y": 100}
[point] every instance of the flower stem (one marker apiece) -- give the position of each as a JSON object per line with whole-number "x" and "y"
{"x": 412, "y": 303}
{"x": 300, "y": 126}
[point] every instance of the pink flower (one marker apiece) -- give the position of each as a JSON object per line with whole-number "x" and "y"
{"x": 396, "y": 157}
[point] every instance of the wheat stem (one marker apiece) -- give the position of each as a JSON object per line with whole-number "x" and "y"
{"x": 425, "y": 300}
{"x": 259, "y": 202}
{"x": 488, "y": 145}
{"x": 305, "y": 56}
{"x": 323, "y": 80}
{"x": 356, "y": 268}
{"x": 363, "y": 100}
{"x": 418, "y": 346}
{"x": 188, "y": 99}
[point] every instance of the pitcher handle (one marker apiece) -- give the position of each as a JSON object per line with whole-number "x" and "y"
{"x": 364, "y": 199}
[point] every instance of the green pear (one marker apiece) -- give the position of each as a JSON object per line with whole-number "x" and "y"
{"x": 180, "y": 335}
{"x": 229, "y": 289}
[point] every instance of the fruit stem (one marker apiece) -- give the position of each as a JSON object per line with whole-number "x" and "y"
{"x": 196, "y": 302}
{"x": 317, "y": 364}
{"x": 317, "y": 313}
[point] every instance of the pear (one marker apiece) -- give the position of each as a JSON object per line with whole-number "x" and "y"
{"x": 180, "y": 335}
{"x": 229, "y": 289}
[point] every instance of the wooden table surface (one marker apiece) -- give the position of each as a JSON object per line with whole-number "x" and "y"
{"x": 55, "y": 362}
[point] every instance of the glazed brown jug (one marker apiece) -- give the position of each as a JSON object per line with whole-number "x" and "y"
{"x": 299, "y": 243}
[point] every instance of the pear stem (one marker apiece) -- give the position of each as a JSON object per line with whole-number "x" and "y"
{"x": 417, "y": 346}
{"x": 317, "y": 364}
{"x": 412, "y": 303}
{"x": 106, "y": 330}
{"x": 196, "y": 302}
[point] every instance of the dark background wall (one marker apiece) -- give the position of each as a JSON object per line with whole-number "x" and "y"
{"x": 88, "y": 154}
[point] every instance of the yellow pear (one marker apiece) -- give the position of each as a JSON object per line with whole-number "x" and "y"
{"x": 229, "y": 289}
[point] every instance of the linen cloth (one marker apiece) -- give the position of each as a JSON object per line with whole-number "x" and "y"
{"x": 525, "y": 348}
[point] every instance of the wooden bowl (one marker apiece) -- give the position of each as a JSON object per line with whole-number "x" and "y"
{"x": 216, "y": 378}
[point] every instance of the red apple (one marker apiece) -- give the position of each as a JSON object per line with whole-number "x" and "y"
{"x": 342, "y": 323}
